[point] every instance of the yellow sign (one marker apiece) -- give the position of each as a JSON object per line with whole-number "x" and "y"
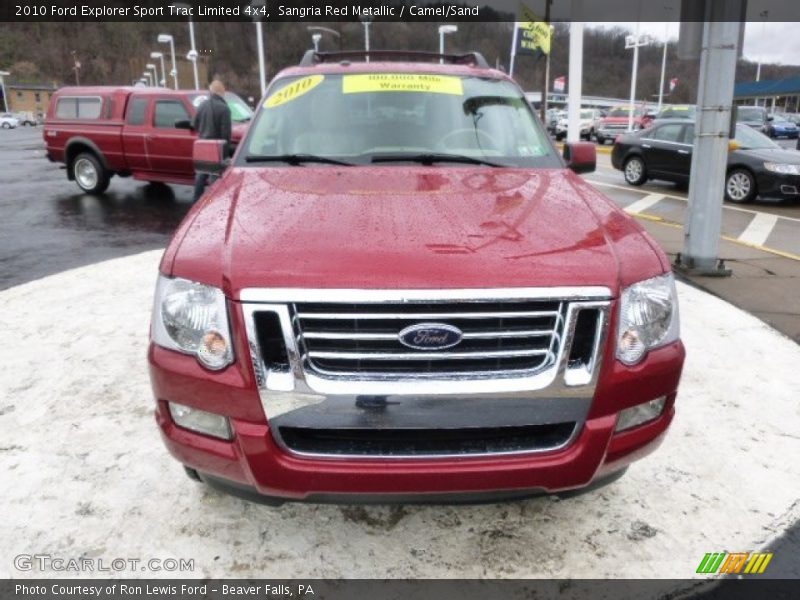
{"x": 402, "y": 82}
{"x": 534, "y": 33}
{"x": 294, "y": 90}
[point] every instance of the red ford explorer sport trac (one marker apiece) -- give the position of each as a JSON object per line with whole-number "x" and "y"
{"x": 397, "y": 290}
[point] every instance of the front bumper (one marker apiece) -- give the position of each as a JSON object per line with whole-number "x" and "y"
{"x": 778, "y": 186}
{"x": 255, "y": 461}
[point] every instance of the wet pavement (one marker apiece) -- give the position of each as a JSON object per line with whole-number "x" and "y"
{"x": 48, "y": 225}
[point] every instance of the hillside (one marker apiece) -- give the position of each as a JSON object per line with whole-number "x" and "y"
{"x": 113, "y": 53}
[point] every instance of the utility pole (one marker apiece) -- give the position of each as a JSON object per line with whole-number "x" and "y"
{"x": 76, "y": 67}
{"x": 575, "y": 77}
{"x": 546, "y": 75}
{"x": 718, "y": 56}
{"x": 664, "y": 61}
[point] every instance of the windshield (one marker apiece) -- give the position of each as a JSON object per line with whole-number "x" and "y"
{"x": 587, "y": 114}
{"x": 362, "y": 118}
{"x": 624, "y": 111}
{"x": 752, "y": 113}
{"x": 677, "y": 112}
{"x": 240, "y": 112}
{"x": 749, "y": 138}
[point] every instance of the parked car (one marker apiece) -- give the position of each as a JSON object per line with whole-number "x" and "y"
{"x": 398, "y": 288}
{"x": 677, "y": 111}
{"x": 781, "y": 126}
{"x": 757, "y": 166}
{"x": 616, "y": 122}
{"x": 753, "y": 116}
{"x": 139, "y": 132}
{"x": 553, "y": 116}
{"x": 588, "y": 117}
{"x": 8, "y": 121}
{"x": 27, "y": 118}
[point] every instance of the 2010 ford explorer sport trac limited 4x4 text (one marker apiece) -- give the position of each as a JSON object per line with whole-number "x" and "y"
{"x": 398, "y": 290}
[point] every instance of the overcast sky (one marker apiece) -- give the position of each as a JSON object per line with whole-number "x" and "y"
{"x": 768, "y": 42}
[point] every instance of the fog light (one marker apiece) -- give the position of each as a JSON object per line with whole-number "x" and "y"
{"x": 641, "y": 413}
{"x": 201, "y": 421}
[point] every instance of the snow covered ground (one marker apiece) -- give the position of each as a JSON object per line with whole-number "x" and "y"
{"x": 84, "y": 472}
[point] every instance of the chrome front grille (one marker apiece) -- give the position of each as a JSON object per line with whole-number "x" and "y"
{"x": 511, "y": 338}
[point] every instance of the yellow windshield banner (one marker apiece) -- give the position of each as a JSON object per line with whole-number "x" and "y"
{"x": 402, "y": 82}
{"x": 293, "y": 91}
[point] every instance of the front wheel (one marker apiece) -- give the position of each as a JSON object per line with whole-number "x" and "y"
{"x": 601, "y": 141}
{"x": 635, "y": 171}
{"x": 6, "y": 126}
{"x": 740, "y": 186}
{"x": 89, "y": 174}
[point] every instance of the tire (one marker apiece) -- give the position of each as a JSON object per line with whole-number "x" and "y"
{"x": 601, "y": 141}
{"x": 635, "y": 171}
{"x": 6, "y": 126}
{"x": 740, "y": 186}
{"x": 89, "y": 174}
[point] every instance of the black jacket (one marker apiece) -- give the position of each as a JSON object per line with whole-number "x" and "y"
{"x": 213, "y": 119}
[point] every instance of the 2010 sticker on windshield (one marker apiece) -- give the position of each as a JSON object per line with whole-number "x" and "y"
{"x": 402, "y": 82}
{"x": 293, "y": 91}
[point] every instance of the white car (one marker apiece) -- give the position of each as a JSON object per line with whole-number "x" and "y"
{"x": 587, "y": 121}
{"x": 8, "y": 121}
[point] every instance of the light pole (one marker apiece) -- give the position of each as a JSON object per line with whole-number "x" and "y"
{"x": 154, "y": 69}
{"x": 149, "y": 77}
{"x": 316, "y": 38}
{"x": 3, "y": 75}
{"x": 664, "y": 60}
{"x": 366, "y": 21}
{"x": 192, "y": 55}
{"x": 763, "y": 14}
{"x": 165, "y": 38}
{"x": 262, "y": 68}
{"x": 333, "y": 32}
{"x": 634, "y": 41}
{"x": 443, "y": 31}
{"x": 76, "y": 67}
{"x": 160, "y": 56}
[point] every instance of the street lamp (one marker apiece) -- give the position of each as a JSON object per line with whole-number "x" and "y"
{"x": 165, "y": 38}
{"x": 366, "y": 21}
{"x": 443, "y": 31}
{"x": 149, "y": 77}
{"x": 4, "y": 74}
{"x": 664, "y": 60}
{"x": 192, "y": 55}
{"x": 262, "y": 69}
{"x": 634, "y": 41}
{"x": 153, "y": 68}
{"x": 333, "y": 32}
{"x": 316, "y": 38}
{"x": 160, "y": 56}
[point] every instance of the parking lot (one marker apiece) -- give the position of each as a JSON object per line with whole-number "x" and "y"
{"x": 90, "y": 472}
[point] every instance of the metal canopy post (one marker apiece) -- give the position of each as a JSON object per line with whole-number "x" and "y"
{"x": 719, "y": 52}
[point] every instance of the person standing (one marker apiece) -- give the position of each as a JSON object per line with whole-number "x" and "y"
{"x": 212, "y": 122}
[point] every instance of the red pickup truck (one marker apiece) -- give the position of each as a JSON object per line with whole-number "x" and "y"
{"x": 98, "y": 132}
{"x": 398, "y": 289}
{"x": 615, "y": 122}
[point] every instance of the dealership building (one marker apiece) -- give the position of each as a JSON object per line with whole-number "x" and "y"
{"x": 781, "y": 95}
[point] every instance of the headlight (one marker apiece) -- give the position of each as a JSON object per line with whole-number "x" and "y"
{"x": 192, "y": 318}
{"x": 648, "y": 318}
{"x": 785, "y": 169}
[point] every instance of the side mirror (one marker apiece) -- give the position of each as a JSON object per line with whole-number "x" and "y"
{"x": 208, "y": 156}
{"x": 183, "y": 124}
{"x": 770, "y": 118}
{"x": 581, "y": 157}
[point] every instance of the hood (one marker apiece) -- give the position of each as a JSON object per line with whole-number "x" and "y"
{"x": 407, "y": 228}
{"x": 777, "y": 155}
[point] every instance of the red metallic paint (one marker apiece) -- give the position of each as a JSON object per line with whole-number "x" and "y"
{"x": 408, "y": 227}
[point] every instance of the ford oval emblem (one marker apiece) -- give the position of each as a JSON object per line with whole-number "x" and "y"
{"x": 430, "y": 336}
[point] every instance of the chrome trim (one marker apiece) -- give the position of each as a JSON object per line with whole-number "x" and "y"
{"x": 429, "y": 316}
{"x": 430, "y": 295}
{"x": 423, "y": 355}
{"x": 477, "y": 335}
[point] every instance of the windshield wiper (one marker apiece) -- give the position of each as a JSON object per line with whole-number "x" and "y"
{"x": 428, "y": 158}
{"x": 295, "y": 159}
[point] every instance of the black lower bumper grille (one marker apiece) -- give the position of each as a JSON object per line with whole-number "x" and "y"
{"x": 426, "y": 442}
